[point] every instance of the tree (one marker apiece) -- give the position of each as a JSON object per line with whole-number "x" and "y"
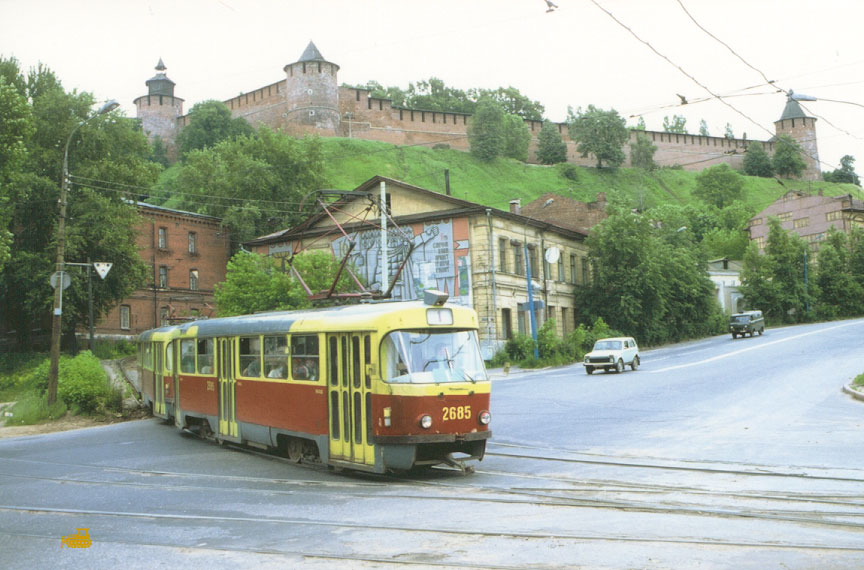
{"x": 210, "y": 122}
{"x": 757, "y": 162}
{"x": 599, "y": 133}
{"x": 774, "y": 281}
{"x": 513, "y": 102}
{"x": 486, "y": 131}
{"x": 642, "y": 153}
{"x": 729, "y": 134}
{"x": 254, "y": 283}
{"x": 107, "y": 155}
{"x": 719, "y": 185}
{"x": 255, "y": 183}
{"x": 648, "y": 281}
{"x": 787, "y": 159}
{"x": 703, "y": 128}
{"x": 551, "y": 149}
{"x": 15, "y": 129}
{"x": 158, "y": 152}
{"x": 640, "y": 125}
{"x": 517, "y": 138}
{"x": 846, "y": 172}
{"x": 839, "y": 293}
{"x": 677, "y": 124}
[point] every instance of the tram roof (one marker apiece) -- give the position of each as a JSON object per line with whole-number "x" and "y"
{"x": 344, "y": 317}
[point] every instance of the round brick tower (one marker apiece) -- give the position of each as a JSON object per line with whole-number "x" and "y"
{"x": 802, "y": 129}
{"x": 311, "y": 93}
{"x": 159, "y": 110}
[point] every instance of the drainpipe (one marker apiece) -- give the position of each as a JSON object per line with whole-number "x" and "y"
{"x": 494, "y": 336}
{"x": 383, "y": 208}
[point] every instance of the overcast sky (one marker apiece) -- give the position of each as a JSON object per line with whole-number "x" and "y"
{"x": 574, "y": 56}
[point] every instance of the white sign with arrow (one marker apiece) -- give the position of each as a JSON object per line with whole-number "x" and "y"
{"x": 102, "y": 268}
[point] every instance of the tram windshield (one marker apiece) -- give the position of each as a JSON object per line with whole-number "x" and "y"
{"x": 425, "y": 357}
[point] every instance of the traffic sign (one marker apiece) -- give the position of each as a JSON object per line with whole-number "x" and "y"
{"x": 67, "y": 281}
{"x": 102, "y": 268}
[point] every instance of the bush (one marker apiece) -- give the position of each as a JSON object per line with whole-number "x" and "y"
{"x": 520, "y": 347}
{"x": 33, "y": 408}
{"x": 17, "y": 374}
{"x": 83, "y": 383}
{"x": 549, "y": 344}
{"x": 859, "y": 380}
{"x": 568, "y": 171}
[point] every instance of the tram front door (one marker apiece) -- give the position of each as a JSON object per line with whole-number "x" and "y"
{"x": 349, "y": 387}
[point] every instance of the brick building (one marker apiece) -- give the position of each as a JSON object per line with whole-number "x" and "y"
{"x": 187, "y": 254}
{"x": 809, "y": 216}
{"x": 480, "y": 256}
{"x": 309, "y": 100}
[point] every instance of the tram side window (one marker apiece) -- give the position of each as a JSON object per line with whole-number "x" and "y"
{"x": 304, "y": 357}
{"x": 205, "y": 356}
{"x": 148, "y": 356}
{"x": 275, "y": 358}
{"x": 187, "y": 356}
{"x": 250, "y": 356}
{"x": 169, "y": 358}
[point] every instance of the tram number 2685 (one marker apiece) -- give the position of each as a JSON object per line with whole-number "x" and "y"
{"x": 457, "y": 413}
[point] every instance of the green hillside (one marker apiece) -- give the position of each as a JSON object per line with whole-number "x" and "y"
{"x": 350, "y": 162}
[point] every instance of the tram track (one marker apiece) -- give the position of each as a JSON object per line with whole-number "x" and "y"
{"x": 408, "y": 530}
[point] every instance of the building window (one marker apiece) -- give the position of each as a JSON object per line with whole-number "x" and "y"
{"x": 755, "y": 222}
{"x": 585, "y": 275}
{"x": 760, "y": 241}
{"x": 561, "y": 268}
{"x": 163, "y": 238}
{"x": 785, "y": 216}
{"x": 193, "y": 243}
{"x": 520, "y": 322}
{"x": 502, "y": 254}
{"x": 125, "y": 314}
{"x": 532, "y": 259}
{"x": 163, "y": 317}
{"x": 507, "y": 323}
{"x": 517, "y": 259}
{"x": 572, "y": 269}
{"x": 163, "y": 277}
{"x": 193, "y": 279}
{"x": 835, "y": 215}
{"x": 801, "y": 223}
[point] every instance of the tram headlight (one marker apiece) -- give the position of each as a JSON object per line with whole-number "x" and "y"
{"x": 426, "y": 421}
{"x": 484, "y": 417}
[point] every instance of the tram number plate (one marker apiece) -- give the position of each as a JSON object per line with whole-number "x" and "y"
{"x": 457, "y": 413}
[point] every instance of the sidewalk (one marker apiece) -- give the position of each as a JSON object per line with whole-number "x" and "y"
{"x": 856, "y": 392}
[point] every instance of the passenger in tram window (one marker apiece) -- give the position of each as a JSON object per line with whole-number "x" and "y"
{"x": 254, "y": 368}
{"x": 312, "y": 369}
{"x": 280, "y": 371}
{"x": 299, "y": 370}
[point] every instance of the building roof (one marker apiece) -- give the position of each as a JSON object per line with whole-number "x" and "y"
{"x": 311, "y": 54}
{"x": 205, "y": 217}
{"x": 567, "y": 212}
{"x": 458, "y": 208}
{"x": 792, "y": 110}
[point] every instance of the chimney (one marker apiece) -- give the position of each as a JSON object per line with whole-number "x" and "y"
{"x": 516, "y": 206}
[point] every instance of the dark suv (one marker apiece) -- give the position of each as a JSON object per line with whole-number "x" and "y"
{"x": 746, "y": 322}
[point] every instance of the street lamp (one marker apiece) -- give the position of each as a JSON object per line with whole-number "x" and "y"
{"x": 61, "y": 251}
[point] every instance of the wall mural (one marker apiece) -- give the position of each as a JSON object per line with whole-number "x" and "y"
{"x": 440, "y": 259}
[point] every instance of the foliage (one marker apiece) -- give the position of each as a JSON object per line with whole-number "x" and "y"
{"x": 640, "y": 124}
{"x": 32, "y": 408}
{"x": 719, "y": 185}
{"x": 106, "y": 153}
{"x": 210, "y": 122}
{"x": 551, "y": 149}
{"x": 703, "y": 129}
{"x": 433, "y": 95}
{"x": 517, "y": 138}
{"x": 774, "y": 281}
{"x": 757, "y": 162}
{"x": 158, "y": 152}
{"x": 254, "y": 283}
{"x": 647, "y": 281}
{"x": 15, "y": 128}
{"x": 859, "y": 380}
{"x": 728, "y": 133}
{"x": 83, "y": 384}
{"x": 486, "y": 131}
{"x": 677, "y": 124}
{"x": 787, "y": 159}
{"x": 519, "y": 348}
{"x": 840, "y": 294}
{"x": 846, "y": 172}
{"x": 599, "y": 133}
{"x": 254, "y": 183}
{"x": 108, "y": 349}
{"x": 642, "y": 153}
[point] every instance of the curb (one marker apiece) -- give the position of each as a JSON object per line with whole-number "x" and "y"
{"x": 853, "y": 392}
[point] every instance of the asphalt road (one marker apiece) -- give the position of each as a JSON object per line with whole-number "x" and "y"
{"x": 714, "y": 454}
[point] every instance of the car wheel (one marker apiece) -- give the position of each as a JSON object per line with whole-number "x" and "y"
{"x": 589, "y": 370}
{"x": 635, "y": 364}
{"x": 761, "y": 331}
{"x": 734, "y": 336}
{"x": 619, "y": 366}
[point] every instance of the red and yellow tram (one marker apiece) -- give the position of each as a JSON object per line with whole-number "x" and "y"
{"x": 373, "y": 387}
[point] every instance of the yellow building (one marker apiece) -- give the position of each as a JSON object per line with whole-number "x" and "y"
{"x": 479, "y": 255}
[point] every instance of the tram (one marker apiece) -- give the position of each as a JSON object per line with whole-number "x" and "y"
{"x": 378, "y": 387}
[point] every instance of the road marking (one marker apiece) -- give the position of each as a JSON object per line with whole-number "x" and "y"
{"x": 737, "y": 352}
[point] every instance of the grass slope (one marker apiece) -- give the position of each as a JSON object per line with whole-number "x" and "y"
{"x": 350, "y": 162}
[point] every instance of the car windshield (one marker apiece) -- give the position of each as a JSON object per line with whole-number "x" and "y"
{"x": 741, "y": 319}
{"x": 607, "y": 345}
{"x": 426, "y": 356}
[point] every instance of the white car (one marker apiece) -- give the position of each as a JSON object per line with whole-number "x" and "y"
{"x": 612, "y": 354}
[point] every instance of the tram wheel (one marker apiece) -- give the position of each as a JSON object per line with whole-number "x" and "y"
{"x": 294, "y": 449}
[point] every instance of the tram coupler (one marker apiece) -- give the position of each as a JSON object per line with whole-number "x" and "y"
{"x": 459, "y": 464}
